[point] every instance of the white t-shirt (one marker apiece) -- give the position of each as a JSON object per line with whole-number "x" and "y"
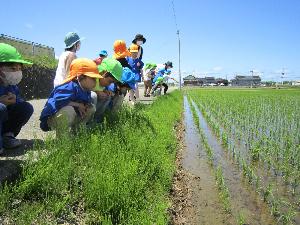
{"x": 166, "y": 77}
{"x": 63, "y": 67}
{"x": 160, "y": 66}
{"x": 147, "y": 74}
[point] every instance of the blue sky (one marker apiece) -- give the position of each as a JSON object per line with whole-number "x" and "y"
{"x": 218, "y": 38}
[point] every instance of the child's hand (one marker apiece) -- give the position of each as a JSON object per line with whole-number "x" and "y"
{"x": 102, "y": 94}
{"x": 12, "y": 98}
{"x": 8, "y": 99}
{"x": 82, "y": 109}
{"x": 4, "y": 99}
{"x": 109, "y": 93}
{"x": 11, "y": 95}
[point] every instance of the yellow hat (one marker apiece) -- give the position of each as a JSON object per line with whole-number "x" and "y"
{"x": 134, "y": 48}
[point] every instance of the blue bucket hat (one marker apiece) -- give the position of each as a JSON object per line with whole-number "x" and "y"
{"x": 103, "y": 52}
{"x": 128, "y": 77}
{"x": 71, "y": 39}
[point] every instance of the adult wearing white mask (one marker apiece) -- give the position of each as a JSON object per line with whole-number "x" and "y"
{"x": 73, "y": 43}
{"x": 139, "y": 40}
{"x": 14, "y": 111}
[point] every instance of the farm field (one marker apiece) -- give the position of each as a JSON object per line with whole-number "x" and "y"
{"x": 239, "y": 164}
{"x": 251, "y": 139}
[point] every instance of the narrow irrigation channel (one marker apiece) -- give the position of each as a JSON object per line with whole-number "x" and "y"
{"x": 244, "y": 201}
{"x": 206, "y": 207}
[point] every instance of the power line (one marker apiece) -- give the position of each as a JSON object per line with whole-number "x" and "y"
{"x": 174, "y": 14}
{"x": 177, "y": 32}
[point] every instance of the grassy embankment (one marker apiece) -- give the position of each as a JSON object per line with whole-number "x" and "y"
{"x": 117, "y": 173}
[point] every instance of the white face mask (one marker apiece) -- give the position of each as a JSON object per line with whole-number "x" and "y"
{"x": 139, "y": 42}
{"x": 12, "y": 78}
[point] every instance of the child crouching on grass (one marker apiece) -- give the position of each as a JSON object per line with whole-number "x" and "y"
{"x": 127, "y": 83}
{"x": 69, "y": 104}
{"x": 104, "y": 91}
{"x": 14, "y": 111}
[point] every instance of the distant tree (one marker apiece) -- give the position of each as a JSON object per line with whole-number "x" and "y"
{"x": 270, "y": 83}
{"x": 287, "y": 82}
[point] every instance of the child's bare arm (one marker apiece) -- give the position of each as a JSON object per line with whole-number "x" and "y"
{"x": 69, "y": 60}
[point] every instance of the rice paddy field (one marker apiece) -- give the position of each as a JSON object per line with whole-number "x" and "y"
{"x": 242, "y": 145}
{"x": 252, "y": 142}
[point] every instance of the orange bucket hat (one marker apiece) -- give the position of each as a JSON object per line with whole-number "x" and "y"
{"x": 134, "y": 48}
{"x": 120, "y": 49}
{"x": 83, "y": 66}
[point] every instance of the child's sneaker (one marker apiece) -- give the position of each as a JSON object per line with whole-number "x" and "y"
{"x": 9, "y": 141}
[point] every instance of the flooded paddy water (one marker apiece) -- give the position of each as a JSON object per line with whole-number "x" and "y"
{"x": 267, "y": 178}
{"x": 206, "y": 206}
{"x": 243, "y": 199}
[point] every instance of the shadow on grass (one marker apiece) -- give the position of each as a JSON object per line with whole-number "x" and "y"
{"x": 11, "y": 160}
{"x": 26, "y": 146}
{"x": 10, "y": 170}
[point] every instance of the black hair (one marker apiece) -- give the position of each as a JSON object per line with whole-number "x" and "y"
{"x": 124, "y": 63}
{"x": 120, "y": 84}
{"x": 73, "y": 47}
{"x": 81, "y": 77}
{"x": 108, "y": 74}
{"x": 6, "y": 63}
{"x": 10, "y": 64}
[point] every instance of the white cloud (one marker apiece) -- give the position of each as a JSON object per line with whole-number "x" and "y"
{"x": 217, "y": 68}
{"x": 28, "y": 25}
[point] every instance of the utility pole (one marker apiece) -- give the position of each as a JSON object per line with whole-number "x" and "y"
{"x": 179, "y": 70}
{"x": 251, "y": 71}
{"x": 282, "y": 76}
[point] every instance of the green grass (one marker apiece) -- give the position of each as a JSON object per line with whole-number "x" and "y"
{"x": 116, "y": 173}
{"x": 43, "y": 61}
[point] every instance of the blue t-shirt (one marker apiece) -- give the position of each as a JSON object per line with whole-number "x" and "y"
{"x": 61, "y": 96}
{"x": 13, "y": 89}
{"x": 160, "y": 73}
{"x": 135, "y": 68}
